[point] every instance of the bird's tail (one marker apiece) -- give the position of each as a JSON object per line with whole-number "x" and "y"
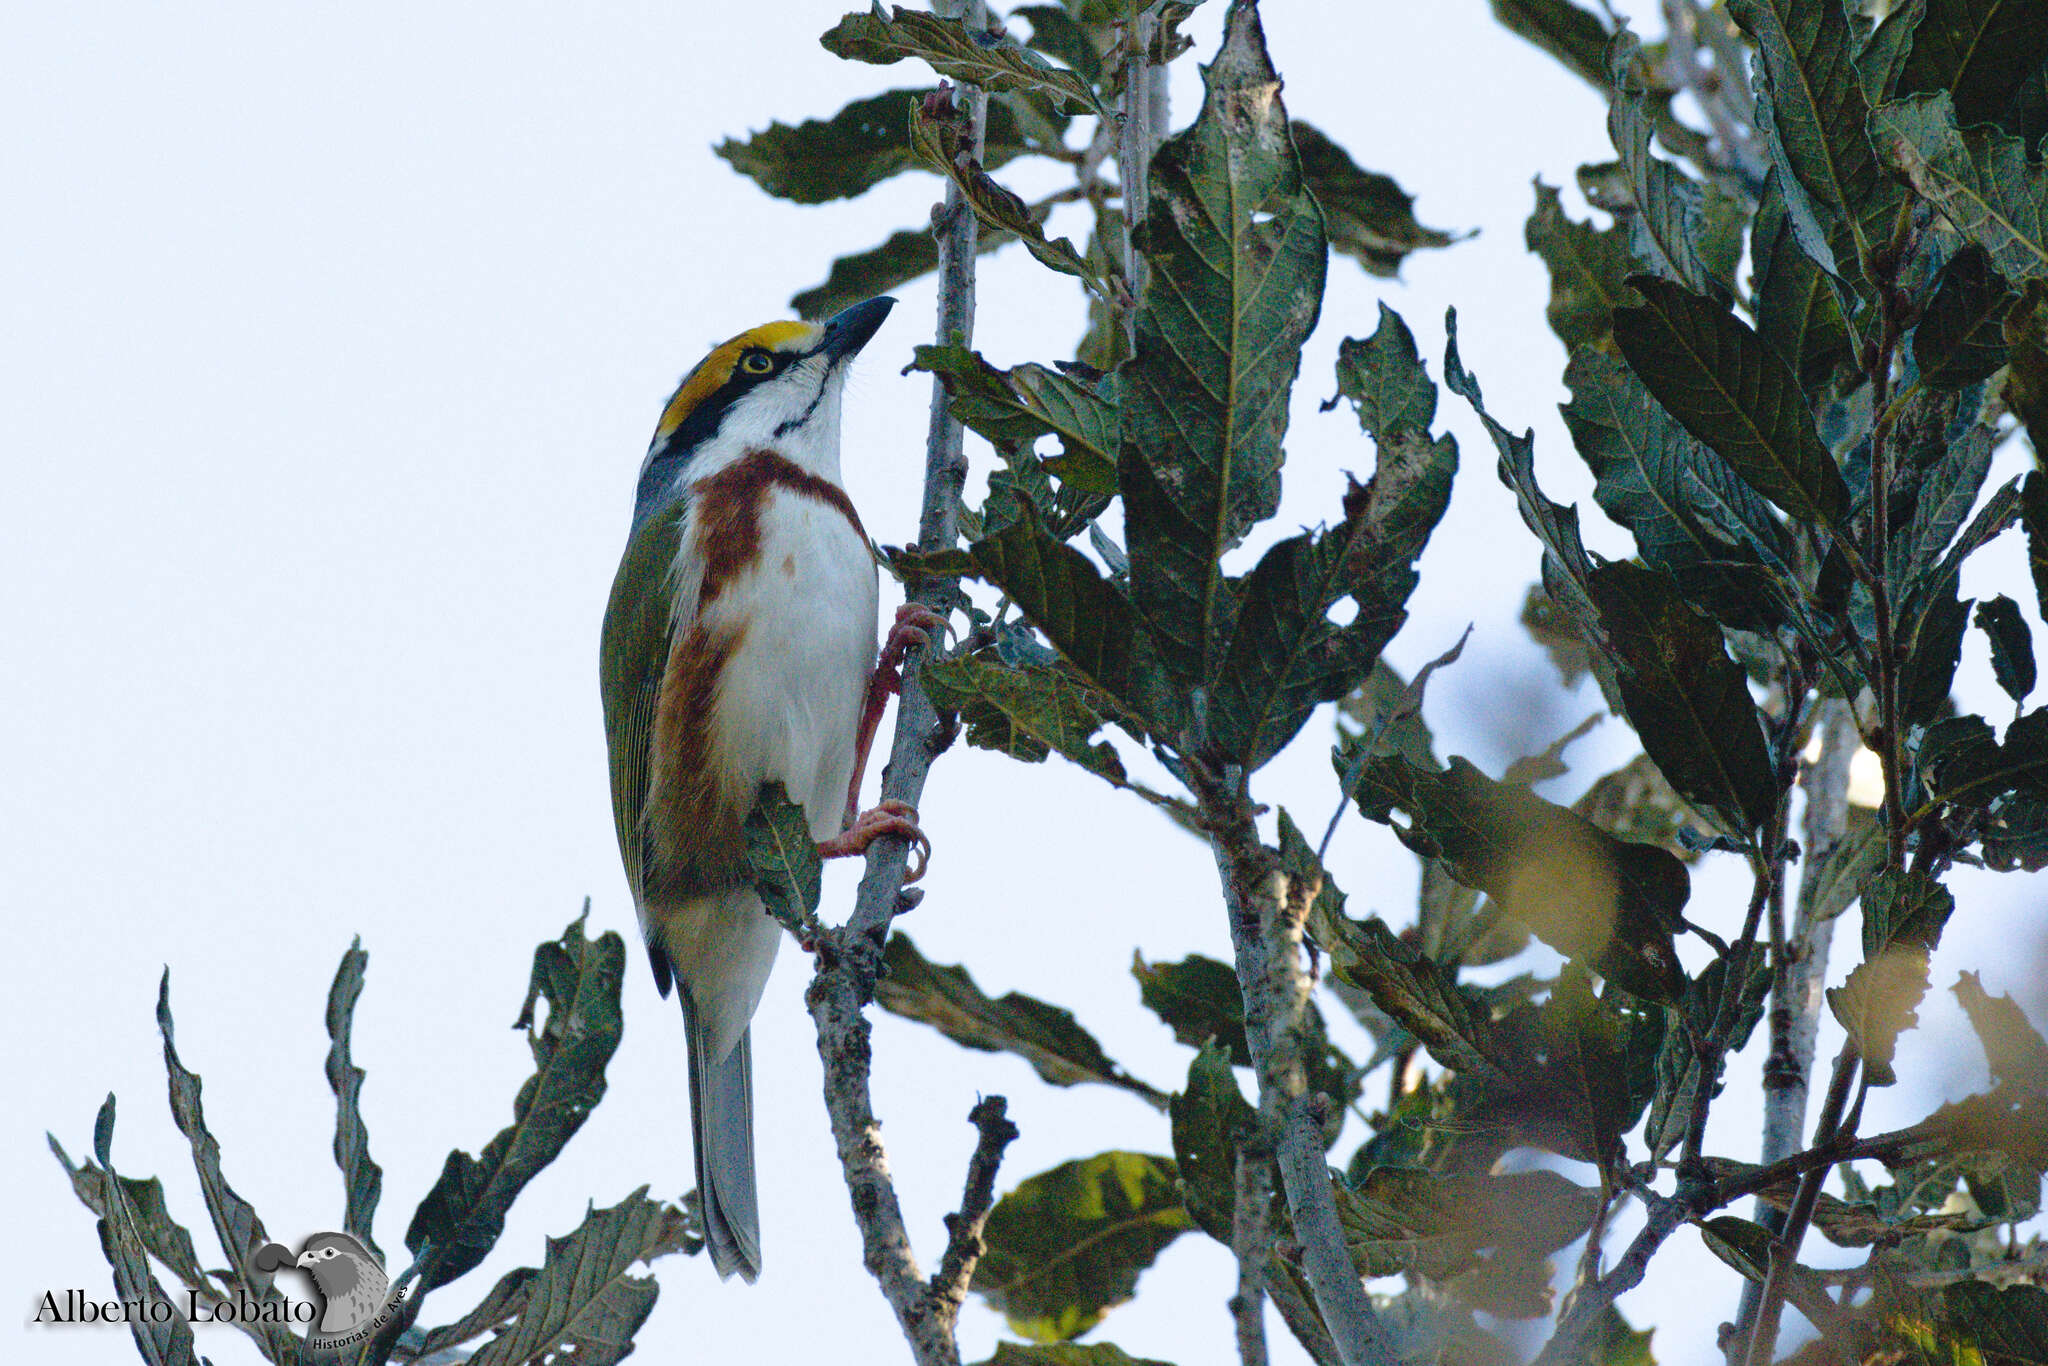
{"x": 722, "y": 1119}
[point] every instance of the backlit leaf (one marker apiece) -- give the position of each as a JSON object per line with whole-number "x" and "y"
{"x": 1588, "y": 267}
{"x": 1977, "y": 176}
{"x": 1367, "y": 215}
{"x": 995, "y": 62}
{"x": 2012, "y": 645}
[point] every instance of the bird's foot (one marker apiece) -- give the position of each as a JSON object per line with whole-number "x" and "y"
{"x": 915, "y": 625}
{"x": 890, "y": 818}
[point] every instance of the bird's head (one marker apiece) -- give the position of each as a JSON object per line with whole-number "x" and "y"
{"x": 775, "y": 387}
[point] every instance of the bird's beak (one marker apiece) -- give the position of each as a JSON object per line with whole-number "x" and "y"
{"x": 305, "y": 1259}
{"x": 848, "y": 331}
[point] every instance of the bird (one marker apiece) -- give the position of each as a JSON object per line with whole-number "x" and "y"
{"x": 738, "y": 649}
{"x": 349, "y": 1279}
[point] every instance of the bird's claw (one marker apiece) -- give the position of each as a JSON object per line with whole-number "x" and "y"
{"x": 890, "y": 818}
{"x": 915, "y": 625}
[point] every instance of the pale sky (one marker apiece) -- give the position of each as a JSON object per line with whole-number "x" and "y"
{"x": 337, "y": 336}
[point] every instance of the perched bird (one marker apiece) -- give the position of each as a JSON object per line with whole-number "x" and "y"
{"x": 350, "y": 1280}
{"x": 739, "y": 649}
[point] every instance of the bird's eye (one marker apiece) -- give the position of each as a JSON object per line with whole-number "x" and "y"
{"x": 756, "y": 363}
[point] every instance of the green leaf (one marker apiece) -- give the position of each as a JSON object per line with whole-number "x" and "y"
{"x": 1977, "y": 176}
{"x": 1211, "y": 1120}
{"x": 141, "y": 1206}
{"x": 235, "y": 1221}
{"x": 2034, "y": 517}
{"x": 1235, "y": 246}
{"x": 1688, "y": 701}
{"x": 1026, "y": 711}
{"x": 1066, "y": 1354}
{"x": 1367, "y": 215}
{"x": 1666, "y": 208}
{"x": 1046, "y": 1036}
{"x": 462, "y": 1216}
{"x": 867, "y": 142}
{"x": 1285, "y": 655}
{"x": 1425, "y": 998}
{"x": 1019, "y": 405}
{"x": 2006, "y": 1327}
{"x": 583, "y": 1303}
{"x": 1678, "y": 1071}
{"x": 1437, "y": 1224}
{"x": 1877, "y": 1004}
{"x": 129, "y": 1233}
{"x": 1082, "y": 613}
{"x": 903, "y": 257}
{"x": 2026, "y": 379}
{"x": 1961, "y": 337}
{"x": 1574, "y": 36}
{"x": 1064, "y": 38}
{"x": 1716, "y": 376}
{"x": 1904, "y": 909}
{"x": 1611, "y": 1342}
{"x": 1068, "y": 1245}
{"x": 1636, "y": 803}
{"x": 2012, "y": 646}
{"x": 1832, "y": 884}
{"x": 1816, "y": 110}
{"x": 1932, "y": 643}
{"x": 1385, "y": 379}
{"x": 362, "y": 1180}
{"x": 1588, "y": 268}
{"x": 995, "y": 62}
{"x": 1979, "y": 50}
{"x": 783, "y": 859}
{"x": 1795, "y": 305}
{"x": 1643, "y": 463}
{"x": 1604, "y": 902}
{"x": 940, "y": 140}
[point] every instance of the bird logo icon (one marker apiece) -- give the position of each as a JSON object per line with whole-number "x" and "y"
{"x": 351, "y": 1284}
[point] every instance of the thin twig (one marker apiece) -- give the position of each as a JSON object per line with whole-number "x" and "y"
{"x": 850, "y": 956}
{"x": 1266, "y": 932}
{"x": 1252, "y": 1241}
{"x": 964, "y": 1247}
{"x": 1573, "y": 1325}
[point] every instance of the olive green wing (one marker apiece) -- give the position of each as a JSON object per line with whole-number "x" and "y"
{"x": 653, "y": 598}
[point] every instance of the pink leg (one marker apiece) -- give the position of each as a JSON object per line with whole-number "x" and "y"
{"x": 890, "y": 818}
{"x": 914, "y": 625}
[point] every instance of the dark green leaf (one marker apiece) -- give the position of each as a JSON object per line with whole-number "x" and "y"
{"x": 1977, "y": 176}
{"x": 1083, "y": 614}
{"x": 1385, "y": 379}
{"x": 1437, "y": 1224}
{"x": 362, "y": 1180}
{"x": 1611, "y": 1342}
{"x": 1948, "y": 490}
{"x": 1979, "y": 50}
{"x": 235, "y": 1221}
{"x": 783, "y": 858}
{"x": 1236, "y": 251}
{"x": 1604, "y": 902}
{"x": 1199, "y": 1000}
{"x": 1588, "y": 267}
{"x": 1960, "y": 760}
{"x": 1642, "y": 461}
{"x": 940, "y": 141}
{"x": 1731, "y": 391}
{"x": 1046, "y": 1036}
{"x": 2012, "y": 646}
{"x": 1833, "y": 883}
{"x": 1376, "y": 712}
{"x": 1932, "y": 642}
{"x": 141, "y": 1203}
{"x": 2026, "y": 378}
{"x": 1211, "y": 1120}
{"x": 1025, "y": 711}
{"x": 1904, "y": 910}
{"x": 1678, "y": 1072}
{"x": 464, "y": 1213}
{"x": 583, "y": 1304}
{"x": 1019, "y": 405}
{"x": 2006, "y": 1327}
{"x": 1367, "y": 215}
{"x": 820, "y": 160}
{"x": 1068, "y": 1245}
{"x": 1575, "y": 36}
{"x": 1636, "y": 803}
{"x": 1816, "y": 110}
{"x": 1425, "y": 998}
{"x": 1688, "y": 701}
{"x": 1064, "y": 38}
{"x": 1066, "y": 1354}
{"x": 1961, "y": 336}
{"x": 129, "y": 1233}
{"x": 1795, "y": 306}
{"x": 2034, "y": 516}
{"x": 1666, "y": 208}
{"x": 995, "y": 62}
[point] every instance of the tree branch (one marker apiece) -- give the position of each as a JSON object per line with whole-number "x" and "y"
{"x": 1666, "y": 1214}
{"x": 1251, "y": 1240}
{"x": 1265, "y": 930}
{"x": 963, "y": 1242}
{"x": 850, "y": 956}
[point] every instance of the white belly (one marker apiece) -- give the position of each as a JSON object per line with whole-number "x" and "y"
{"x": 797, "y": 679}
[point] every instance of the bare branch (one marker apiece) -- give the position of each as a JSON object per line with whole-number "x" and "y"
{"x": 963, "y": 1241}
{"x": 1265, "y": 930}
{"x": 1251, "y": 1240}
{"x": 1563, "y": 1348}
